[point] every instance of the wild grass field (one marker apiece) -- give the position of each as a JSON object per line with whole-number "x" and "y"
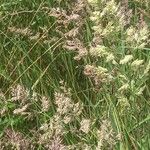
{"x": 74, "y": 75}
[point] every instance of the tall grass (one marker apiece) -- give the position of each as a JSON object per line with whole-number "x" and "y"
{"x": 74, "y": 74}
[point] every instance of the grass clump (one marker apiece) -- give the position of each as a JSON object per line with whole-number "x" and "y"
{"x": 74, "y": 75}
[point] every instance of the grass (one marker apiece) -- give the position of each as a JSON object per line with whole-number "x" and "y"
{"x": 33, "y": 55}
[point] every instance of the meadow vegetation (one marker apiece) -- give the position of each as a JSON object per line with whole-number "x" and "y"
{"x": 74, "y": 75}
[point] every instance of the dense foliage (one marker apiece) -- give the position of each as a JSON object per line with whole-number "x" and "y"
{"x": 74, "y": 74}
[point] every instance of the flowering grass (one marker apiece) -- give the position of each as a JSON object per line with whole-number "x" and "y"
{"x": 74, "y": 75}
